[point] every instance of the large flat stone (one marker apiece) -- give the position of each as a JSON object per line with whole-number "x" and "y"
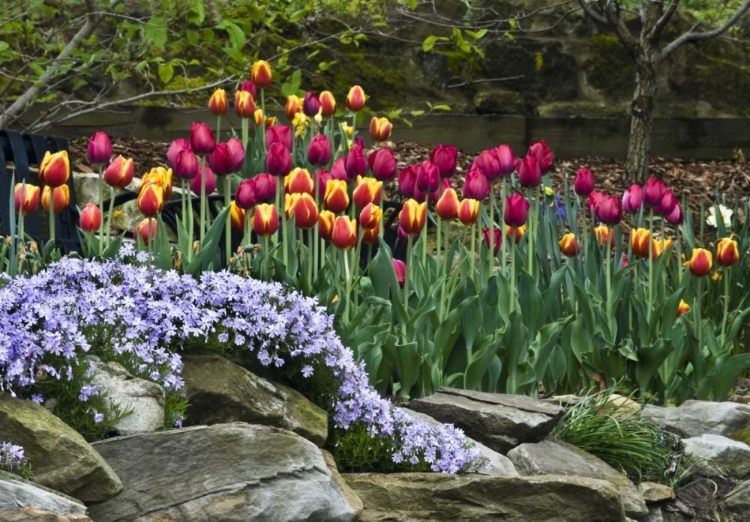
{"x": 62, "y": 460}
{"x": 709, "y": 451}
{"x": 696, "y": 418}
{"x": 553, "y": 457}
{"x": 221, "y": 392}
{"x": 229, "y": 472}
{"x": 32, "y": 514}
{"x": 16, "y": 494}
{"x": 408, "y": 497}
{"x": 497, "y": 420}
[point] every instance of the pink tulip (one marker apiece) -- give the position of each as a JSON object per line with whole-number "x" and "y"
{"x": 632, "y": 199}
{"x": 609, "y": 210}
{"x": 319, "y": 150}
{"x": 667, "y": 204}
{"x": 265, "y": 187}
{"x": 399, "y": 268}
{"x": 543, "y": 155}
{"x": 676, "y": 217}
{"x": 278, "y": 159}
{"x": 382, "y": 164}
{"x": 476, "y": 185}
{"x": 497, "y": 239}
{"x": 653, "y": 191}
{"x": 186, "y": 164}
{"x": 506, "y": 158}
{"x": 195, "y": 183}
{"x": 245, "y": 195}
{"x": 311, "y": 104}
{"x": 444, "y": 157}
{"x": 356, "y": 163}
{"x": 201, "y": 138}
{"x": 100, "y": 148}
{"x": 584, "y": 182}
{"x": 279, "y": 134}
{"x": 529, "y": 174}
{"x": 338, "y": 170}
{"x": 488, "y": 163}
{"x": 428, "y": 177}
{"x": 516, "y": 210}
{"x": 407, "y": 181}
{"x": 175, "y": 148}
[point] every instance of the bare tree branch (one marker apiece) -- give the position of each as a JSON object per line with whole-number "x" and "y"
{"x": 589, "y": 10}
{"x": 485, "y": 80}
{"x": 692, "y": 36}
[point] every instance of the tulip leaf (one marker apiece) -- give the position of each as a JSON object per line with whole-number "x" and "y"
{"x": 649, "y": 359}
{"x": 114, "y": 247}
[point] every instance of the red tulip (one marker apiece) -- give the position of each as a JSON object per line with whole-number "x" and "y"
{"x": 279, "y": 134}
{"x": 653, "y": 191}
{"x": 399, "y": 269}
{"x": 609, "y": 210}
{"x": 91, "y": 218}
{"x": 195, "y": 183}
{"x": 311, "y": 104}
{"x": 278, "y": 160}
{"x": 327, "y": 104}
{"x": 701, "y": 262}
{"x": 667, "y": 204}
{"x": 244, "y": 104}
{"x": 245, "y": 195}
{"x": 488, "y": 163}
{"x": 497, "y": 238}
{"x": 529, "y": 173}
{"x": 584, "y": 182}
{"x": 99, "y": 149}
{"x": 382, "y": 164}
{"x": 445, "y": 158}
{"x": 447, "y": 206}
{"x": 516, "y": 210}
{"x": 54, "y": 170}
{"x": 249, "y": 86}
{"x": 175, "y": 148}
{"x": 407, "y": 181}
{"x": 120, "y": 172}
{"x": 265, "y": 220}
{"x": 632, "y": 199}
{"x": 506, "y": 158}
{"x": 676, "y": 217}
{"x": 147, "y": 230}
{"x": 428, "y": 177}
{"x": 355, "y": 100}
{"x": 265, "y": 187}
{"x": 319, "y": 150}
{"x": 227, "y": 157}
{"x": 201, "y": 138}
{"x": 356, "y": 163}
{"x": 344, "y": 234}
{"x": 26, "y": 198}
{"x": 476, "y": 185}
{"x": 261, "y": 74}
{"x": 543, "y": 155}
{"x": 338, "y": 170}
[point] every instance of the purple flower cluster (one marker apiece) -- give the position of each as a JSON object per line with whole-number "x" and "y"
{"x": 148, "y": 315}
{"x": 11, "y": 455}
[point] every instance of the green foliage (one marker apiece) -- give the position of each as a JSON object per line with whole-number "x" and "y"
{"x": 618, "y": 437}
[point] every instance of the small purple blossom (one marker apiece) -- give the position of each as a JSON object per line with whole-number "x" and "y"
{"x": 87, "y": 391}
{"x": 37, "y": 398}
{"x": 98, "y": 417}
{"x": 11, "y": 455}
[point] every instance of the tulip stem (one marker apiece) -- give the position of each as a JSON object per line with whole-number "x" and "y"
{"x": 679, "y": 257}
{"x": 447, "y": 247}
{"x": 650, "y": 264}
{"x": 424, "y": 236}
{"x": 282, "y": 211}
{"x": 203, "y": 198}
{"x": 111, "y": 213}
{"x": 585, "y": 230}
{"x": 266, "y": 257}
{"x": 409, "y": 246}
{"x": 699, "y": 317}
{"x": 191, "y": 221}
{"x": 183, "y": 203}
{"x": 101, "y": 211}
{"x": 52, "y": 215}
{"x": 503, "y": 245}
{"x": 512, "y": 293}
{"x": 150, "y": 239}
{"x": 263, "y": 123}
{"x": 492, "y": 228}
{"x": 726, "y": 307}
{"x": 608, "y": 274}
{"x": 228, "y": 221}
{"x": 348, "y": 287}
{"x": 245, "y": 132}
{"x": 218, "y": 129}
{"x": 439, "y": 238}
{"x": 473, "y": 250}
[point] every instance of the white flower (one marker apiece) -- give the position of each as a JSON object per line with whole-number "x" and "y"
{"x": 726, "y": 215}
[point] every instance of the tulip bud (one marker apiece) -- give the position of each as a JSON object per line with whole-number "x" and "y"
{"x": 54, "y": 170}
{"x": 496, "y": 239}
{"x": 62, "y": 198}
{"x": 667, "y": 204}
{"x": 218, "y": 102}
{"x": 407, "y": 181}
{"x": 344, "y": 234}
{"x": 26, "y": 198}
{"x": 371, "y": 236}
{"x": 515, "y": 233}
{"x": 299, "y": 181}
{"x": 653, "y": 191}
{"x": 161, "y": 176}
{"x": 444, "y": 157}
{"x": 506, "y": 158}
{"x": 99, "y": 149}
{"x": 237, "y": 217}
{"x": 516, "y": 210}
{"x": 609, "y": 210}
{"x": 399, "y": 269}
{"x": 529, "y": 173}
{"x": 303, "y": 207}
{"x": 355, "y": 163}
{"x": 280, "y": 134}
{"x": 147, "y": 230}
{"x": 120, "y": 172}
{"x": 701, "y": 262}
{"x": 370, "y": 216}
{"x": 311, "y": 105}
{"x": 676, "y": 217}
{"x": 476, "y": 185}
{"x": 488, "y": 163}
{"x": 640, "y": 238}
{"x": 468, "y": 211}
{"x": 661, "y": 246}
{"x": 727, "y": 253}
{"x": 227, "y": 157}
{"x": 355, "y": 100}
{"x": 195, "y": 183}
{"x": 261, "y": 74}
{"x": 91, "y": 218}
{"x": 278, "y": 160}
{"x": 245, "y": 195}
{"x": 682, "y": 308}
{"x": 593, "y": 201}
{"x": 382, "y": 164}
{"x": 336, "y": 197}
{"x": 321, "y": 177}
{"x": 380, "y": 129}
{"x": 569, "y": 245}
{"x": 543, "y": 155}
{"x": 326, "y": 218}
{"x": 338, "y": 170}
{"x": 584, "y": 182}
{"x": 175, "y": 148}
{"x": 413, "y": 216}
{"x": 632, "y": 199}
{"x": 327, "y": 104}
{"x": 249, "y": 86}
{"x": 150, "y": 199}
{"x": 447, "y": 206}
{"x": 265, "y": 220}
{"x": 367, "y": 190}
{"x": 265, "y": 188}
{"x": 319, "y": 150}
{"x": 201, "y": 138}
{"x": 428, "y": 177}
{"x": 604, "y": 235}
{"x": 292, "y": 107}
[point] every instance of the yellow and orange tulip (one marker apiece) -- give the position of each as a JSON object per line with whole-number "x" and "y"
{"x": 161, "y": 176}
{"x": 265, "y": 220}
{"x": 54, "y": 170}
{"x": 370, "y": 216}
{"x": 447, "y": 206}
{"x": 336, "y": 198}
{"x": 413, "y": 216}
{"x": 604, "y": 235}
{"x": 468, "y": 211}
{"x": 26, "y": 198}
{"x": 299, "y": 181}
{"x": 700, "y": 262}
{"x": 218, "y": 103}
{"x": 569, "y": 245}
{"x": 355, "y": 100}
{"x": 727, "y": 252}
{"x": 292, "y": 107}
{"x": 61, "y": 195}
{"x": 380, "y": 129}
{"x": 344, "y": 233}
{"x": 302, "y": 207}
{"x": 682, "y": 308}
{"x": 326, "y": 219}
{"x": 261, "y": 74}
{"x": 147, "y": 229}
{"x": 368, "y": 190}
{"x": 237, "y": 217}
{"x": 327, "y": 104}
{"x": 244, "y": 105}
{"x": 150, "y": 199}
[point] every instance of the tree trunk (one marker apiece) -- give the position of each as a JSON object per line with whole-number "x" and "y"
{"x": 641, "y": 121}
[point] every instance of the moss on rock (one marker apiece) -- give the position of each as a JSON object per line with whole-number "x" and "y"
{"x": 609, "y": 68}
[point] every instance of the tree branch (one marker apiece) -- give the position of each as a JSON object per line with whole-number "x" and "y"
{"x": 663, "y": 20}
{"x": 586, "y": 5}
{"x": 618, "y": 25}
{"x": 691, "y": 36}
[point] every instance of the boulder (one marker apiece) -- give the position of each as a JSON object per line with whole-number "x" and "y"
{"x": 695, "y": 418}
{"x": 655, "y": 493}
{"x": 32, "y": 514}
{"x": 17, "y": 494}
{"x": 227, "y": 472}
{"x": 738, "y": 500}
{"x": 61, "y": 458}
{"x": 553, "y": 457}
{"x": 144, "y": 398}
{"x": 731, "y": 457}
{"x": 220, "y": 391}
{"x": 407, "y": 497}
{"x": 350, "y": 496}
{"x": 494, "y": 462}
{"x": 500, "y": 421}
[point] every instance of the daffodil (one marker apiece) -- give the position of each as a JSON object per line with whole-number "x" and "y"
{"x": 726, "y": 215}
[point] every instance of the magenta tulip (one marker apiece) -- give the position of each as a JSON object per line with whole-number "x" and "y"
{"x": 584, "y": 182}
{"x": 609, "y": 210}
{"x": 543, "y": 155}
{"x": 195, "y": 183}
{"x": 667, "y": 204}
{"x": 529, "y": 174}
{"x": 632, "y": 199}
{"x": 497, "y": 239}
{"x": 99, "y": 149}
{"x": 382, "y": 164}
{"x": 407, "y": 181}
{"x": 356, "y": 163}
{"x": 175, "y": 148}
{"x": 676, "y": 217}
{"x": 428, "y": 177}
{"x": 278, "y": 160}
{"x": 516, "y": 210}
{"x": 444, "y": 157}
{"x": 319, "y": 150}
{"x": 321, "y": 177}
{"x": 338, "y": 170}
{"x": 265, "y": 187}
{"x": 249, "y": 86}
{"x": 488, "y": 163}
{"x": 186, "y": 164}
{"x": 653, "y": 191}
{"x": 245, "y": 195}
{"x": 279, "y": 134}
{"x": 506, "y": 158}
{"x": 201, "y": 138}
{"x": 311, "y": 104}
{"x": 593, "y": 200}
{"x": 219, "y": 160}
{"x": 236, "y": 154}
{"x": 399, "y": 268}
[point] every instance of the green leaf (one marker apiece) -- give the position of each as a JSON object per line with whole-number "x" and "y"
{"x": 196, "y": 13}
{"x": 416, "y": 113}
{"x": 236, "y": 34}
{"x": 166, "y": 72}
{"x": 155, "y": 31}
{"x": 429, "y": 43}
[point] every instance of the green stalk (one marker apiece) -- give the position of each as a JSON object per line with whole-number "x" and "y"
{"x": 228, "y": 222}
{"x": 699, "y": 315}
{"x": 492, "y": 228}
{"x": 150, "y": 239}
{"x": 111, "y": 213}
{"x": 650, "y": 263}
{"x": 409, "y": 247}
{"x": 608, "y": 268}
{"x": 311, "y": 243}
{"x": 512, "y": 293}
{"x": 446, "y": 265}
{"x": 101, "y": 211}
{"x": 218, "y": 128}
{"x": 726, "y": 307}
{"x": 348, "y": 287}
{"x": 503, "y": 245}
{"x": 473, "y": 250}
{"x": 246, "y": 231}
{"x": 191, "y": 221}
{"x": 263, "y": 123}
{"x": 282, "y": 230}
{"x": 424, "y": 234}
{"x": 585, "y": 230}
{"x": 52, "y": 217}
{"x": 203, "y": 198}
{"x": 183, "y": 203}
{"x": 439, "y": 237}
{"x": 245, "y": 131}
{"x": 266, "y": 257}
{"x": 679, "y": 257}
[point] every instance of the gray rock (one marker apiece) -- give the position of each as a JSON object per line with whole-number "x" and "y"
{"x": 553, "y": 457}
{"x": 32, "y": 514}
{"x": 220, "y": 392}
{"x": 695, "y": 418}
{"x": 497, "y": 420}
{"x": 227, "y": 472}
{"x": 145, "y": 398}
{"x": 408, "y": 497}
{"x": 654, "y": 515}
{"x": 495, "y": 463}
{"x": 61, "y": 458}
{"x": 351, "y": 497}
{"x": 731, "y": 457}
{"x": 738, "y": 500}
{"x": 655, "y": 493}
{"x": 16, "y": 493}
